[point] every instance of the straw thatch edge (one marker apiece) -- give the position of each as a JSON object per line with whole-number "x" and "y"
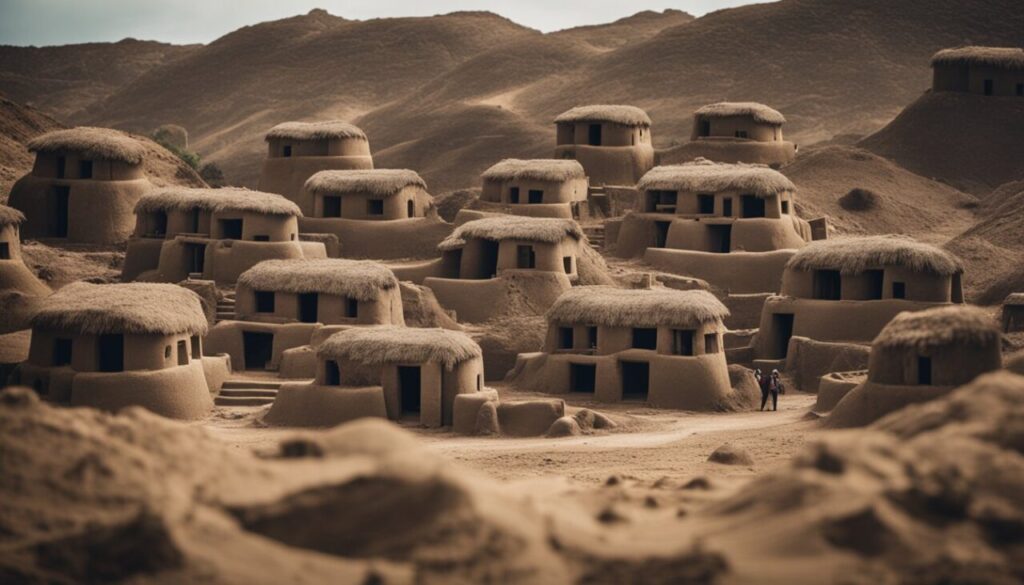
{"x": 139, "y": 308}
{"x": 362, "y": 280}
{"x": 400, "y": 345}
{"x": 621, "y": 307}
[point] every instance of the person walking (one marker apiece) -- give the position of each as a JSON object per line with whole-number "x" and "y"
{"x": 765, "y": 383}
{"x": 774, "y": 388}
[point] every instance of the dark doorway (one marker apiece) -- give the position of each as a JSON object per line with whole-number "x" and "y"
{"x": 899, "y": 290}
{"x": 567, "y": 264}
{"x": 827, "y": 285}
{"x": 5, "y": 251}
{"x": 988, "y": 87}
{"x": 193, "y": 220}
{"x": 682, "y": 341}
{"x": 525, "y": 257}
{"x": 565, "y": 337}
{"x": 410, "y": 208}
{"x": 258, "y": 348}
{"x": 375, "y": 207}
{"x": 197, "y": 349}
{"x": 62, "y": 165}
{"x": 594, "y": 135}
{"x": 874, "y": 279}
{"x": 409, "y": 389}
{"x": 636, "y": 377}
{"x": 645, "y": 338}
{"x": 706, "y": 204}
{"x": 488, "y": 259}
{"x": 85, "y": 169}
{"x": 1020, "y": 89}
{"x": 308, "y": 307}
{"x": 110, "y": 353}
{"x": 582, "y": 378}
{"x": 513, "y": 195}
{"x": 332, "y": 206}
{"x": 661, "y": 233}
{"x": 705, "y": 127}
{"x": 195, "y": 258}
{"x": 727, "y": 207}
{"x": 231, "y": 229}
{"x": 782, "y": 326}
{"x": 159, "y": 223}
{"x": 61, "y": 352}
{"x": 351, "y": 308}
{"x": 286, "y": 151}
{"x": 332, "y": 374}
{"x": 721, "y": 238}
{"x": 924, "y": 370}
{"x": 592, "y": 337}
{"x": 59, "y": 215}
{"x": 182, "y": 353}
{"x": 752, "y": 205}
{"x": 536, "y": 196}
{"x": 710, "y": 343}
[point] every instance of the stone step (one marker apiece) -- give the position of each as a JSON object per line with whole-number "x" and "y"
{"x": 243, "y": 401}
{"x": 251, "y": 384}
{"x": 251, "y": 392}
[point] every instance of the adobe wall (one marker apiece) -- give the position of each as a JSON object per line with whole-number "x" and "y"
{"x": 179, "y": 392}
{"x": 737, "y": 272}
{"x": 728, "y": 126}
{"x": 478, "y": 209}
{"x": 417, "y": 272}
{"x": 357, "y": 205}
{"x": 227, "y": 337}
{"x": 385, "y": 309}
{"x": 731, "y": 150}
{"x": 315, "y": 405}
{"x": 383, "y": 240}
{"x": 951, "y": 365}
{"x": 46, "y": 167}
{"x": 287, "y": 176}
{"x": 316, "y": 148}
{"x": 747, "y": 235}
{"x": 141, "y": 256}
{"x": 610, "y": 165}
{"x": 807, "y": 360}
{"x": 871, "y": 401}
{"x": 552, "y": 191}
{"x": 278, "y": 228}
{"x": 971, "y": 79}
{"x": 224, "y": 263}
{"x": 919, "y": 286}
{"x": 141, "y": 351}
{"x": 518, "y": 292}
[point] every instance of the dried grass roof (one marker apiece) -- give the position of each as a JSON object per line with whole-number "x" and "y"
{"x": 1016, "y": 298}
{"x": 381, "y": 182}
{"x": 216, "y": 200}
{"x": 513, "y": 227}
{"x": 538, "y": 169}
{"x": 625, "y": 307}
{"x": 10, "y": 216}
{"x": 102, "y": 143}
{"x": 940, "y": 326}
{"x": 854, "y": 255}
{"x": 97, "y": 309}
{"x": 759, "y": 112}
{"x": 702, "y": 175}
{"x": 625, "y": 115}
{"x": 357, "y": 279}
{"x": 1006, "y": 57}
{"x": 395, "y": 345}
{"x": 323, "y": 130}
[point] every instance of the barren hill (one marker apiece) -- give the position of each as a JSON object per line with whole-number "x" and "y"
{"x": 993, "y": 248}
{"x": 625, "y": 31}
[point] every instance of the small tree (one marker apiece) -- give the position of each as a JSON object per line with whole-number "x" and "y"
{"x": 212, "y": 174}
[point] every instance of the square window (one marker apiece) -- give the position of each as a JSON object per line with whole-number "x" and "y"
{"x": 710, "y": 343}
{"x": 682, "y": 342}
{"x": 705, "y": 203}
{"x": 264, "y": 301}
{"x": 899, "y": 290}
{"x": 536, "y": 196}
{"x": 231, "y": 229}
{"x": 565, "y": 338}
{"x": 85, "y": 169}
{"x": 332, "y": 206}
{"x": 375, "y": 207}
{"x": 525, "y": 257}
{"x": 645, "y": 338}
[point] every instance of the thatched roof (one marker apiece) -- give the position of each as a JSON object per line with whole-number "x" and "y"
{"x": 357, "y": 279}
{"x": 854, "y": 255}
{"x": 324, "y": 130}
{"x": 390, "y": 345}
{"x": 512, "y": 227}
{"x": 625, "y": 307}
{"x": 102, "y": 143}
{"x": 1016, "y": 298}
{"x": 380, "y": 182}
{"x": 216, "y": 200}
{"x": 625, "y": 115}
{"x": 1005, "y": 57}
{"x": 97, "y": 309}
{"x": 940, "y": 326}
{"x": 702, "y": 175}
{"x": 10, "y": 216}
{"x": 539, "y": 169}
{"x": 760, "y": 112}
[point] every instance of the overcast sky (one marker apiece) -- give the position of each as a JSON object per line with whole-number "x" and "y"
{"x": 59, "y": 22}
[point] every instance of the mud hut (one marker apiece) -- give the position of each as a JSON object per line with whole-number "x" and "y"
{"x": 920, "y": 356}
{"x": 376, "y": 213}
{"x": 280, "y": 305}
{"x": 488, "y": 264}
{"x": 733, "y": 132}
{"x": 991, "y": 71}
{"x": 662, "y": 347}
{"x": 395, "y": 372}
{"x": 298, "y": 150}
{"x": 848, "y": 289}
{"x": 20, "y": 291}
{"x": 1012, "y": 313}
{"x": 536, "y": 188}
{"x": 212, "y": 234}
{"x": 82, "y": 187}
{"x": 116, "y": 345}
{"x": 733, "y": 225}
{"x": 612, "y": 142}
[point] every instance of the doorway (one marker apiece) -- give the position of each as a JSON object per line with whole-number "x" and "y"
{"x": 875, "y": 280}
{"x": 525, "y": 257}
{"x": 705, "y": 127}
{"x": 231, "y": 229}
{"x": 488, "y": 259}
{"x": 782, "y": 328}
{"x": 182, "y": 353}
{"x": 332, "y": 206}
{"x": 827, "y": 285}
{"x": 195, "y": 258}
{"x": 582, "y": 378}
{"x": 308, "y": 307}
{"x": 410, "y": 209}
{"x": 636, "y": 378}
{"x": 332, "y": 373}
{"x": 59, "y": 215}
{"x": 594, "y": 135}
{"x": 924, "y": 371}
{"x": 988, "y": 87}
{"x": 258, "y": 348}
{"x": 110, "y": 353}
{"x": 721, "y": 238}
{"x": 661, "y": 233}
{"x": 409, "y": 390}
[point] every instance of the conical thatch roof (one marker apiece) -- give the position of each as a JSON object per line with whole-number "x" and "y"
{"x": 759, "y": 112}
{"x": 540, "y": 169}
{"x": 97, "y": 309}
{"x": 225, "y": 199}
{"x": 941, "y": 326}
{"x": 512, "y": 227}
{"x": 380, "y": 182}
{"x": 625, "y": 115}
{"x": 399, "y": 345}
{"x": 705, "y": 176}
{"x": 324, "y": 130}
{"x": 855, "y": 255}
{"x": 102, "y": 143}
{"x": 10, "y": 216}
{"x": 1005, "y": 57}
{"x": 624, "y": 307}
{"x": 357, "y": 279}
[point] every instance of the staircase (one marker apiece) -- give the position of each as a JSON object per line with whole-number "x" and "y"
{"x": 226, "y": 307}
{"x": 595, "y": 234}
{"x": 247, "y": 393}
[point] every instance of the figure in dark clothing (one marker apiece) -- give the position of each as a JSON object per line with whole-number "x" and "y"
{"x": 765, "y": 383}
{"x": 774, "y": 387}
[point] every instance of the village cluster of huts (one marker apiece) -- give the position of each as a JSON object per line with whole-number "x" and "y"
{"x": 303, "y": 278}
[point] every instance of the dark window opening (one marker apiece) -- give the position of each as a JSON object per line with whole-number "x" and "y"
{"x": 827, "y": 285}
{"x": 645, "y": 338}
{"x": 110, "y": 353}
{"x": 182, "y": 353}
{"x": 565, "y": 338}
{"x": 488, "y": 259}
{"x": 785, "y": 207}
{"x": 286, "y": 150}
{"x": 682, "y": 342}
{"x": 193, "y": 217}
{"x": 525, "y": 257}
{"x": 592, "y": 337}
{"x": 705, "y": 203}
{"x": 989, "y": 89}
{"x": 513, "y": 195}
{"x": 705, "y": 127}
{"x": 479, "y": 382}
{"x": 567, "y": 264}
{"x": 62, "y": 165}
{"x": 167, "y": 352}
{"x": 85, "y": 169}
{"x": 231, "y": 229}
{"x": 197, "y": 348}
{"x": 1020, "y": 89}
{"x": 5, "y": 251}
{"x": 375, "y": 207}
{"x": 662, "y": 201}
{"x": 899, "y": 290}
{"x": 332, "y": 374}
{"x": 536, "y": 196}
{"x": 351, "y": 308}
{"x": 594, "y": 135}
{"x": 661, "y": 233}
{"x": 782, "y": 327}
{"x": 257, "y": 349}
{"x": 261, "y": 238}
{"x": 636, "y": 378}
{"x": 753, "y": 206}
{"x": 308, "y": 307}
{"x": 710, "y": 343}
{"x": 741, "y": 134}
{"x": 264, "y": 301}
{"x": 59, "y": 218}
{"x": 924, "y": 370}
{"x": 410, "y": 208}
{"x": 409, "y": 389}
{"x": 61, "y": 352}
{"x": 332, "y": 206}
{"x": 159, "y": 223}
{"x": 582, "y": 378}
{"x": 195, "y": 257}
{"x": 721, "y": 238}
{"x": 727, "y": 207}
{"x": 874, "y": 278}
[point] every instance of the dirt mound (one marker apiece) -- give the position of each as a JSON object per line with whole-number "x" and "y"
{"x": 992, "y": 248}
{"x": 730, "y": 455}
{"x": 859, "y": 200}
{"x": 969, "y": 141}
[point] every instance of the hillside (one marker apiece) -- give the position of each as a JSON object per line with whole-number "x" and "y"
{"x": 625, "y": 31}
{"x": 993, "y": 248}
{"x": 970, "y": 141}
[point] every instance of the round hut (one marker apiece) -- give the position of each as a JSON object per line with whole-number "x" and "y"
{"x": 82, "y": 187}
{"x": 111, "y": 346}
{"x": 298, "y": 150}
{"x": 991, "y": 71}
{"x": 733, "y": 132}
{"x": 400, "y": 373}
{"x": 536, "y": 188}
{"x": 733, "y": 225}
{"x": 376, "y": 213}
{"x": 848, "y": 289}
{"x": 612, "y": 142}
{"x": 662, "y": 347}
{"x": 20, "y": 290}
{"x": 212, "y": 234}
{"x": 1013, "y": 313}
{"x": 919, "y": 356}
